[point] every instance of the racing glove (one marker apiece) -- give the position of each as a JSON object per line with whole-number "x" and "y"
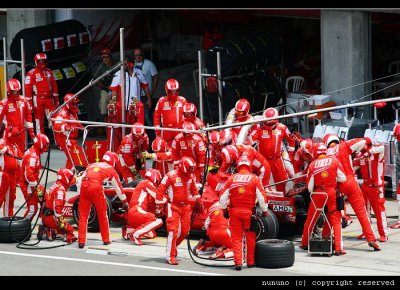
{"x": 61, "y": 222}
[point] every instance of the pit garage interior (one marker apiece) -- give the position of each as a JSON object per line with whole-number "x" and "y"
{"x": 343, "y": 56}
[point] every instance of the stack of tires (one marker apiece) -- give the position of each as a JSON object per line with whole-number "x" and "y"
{"x": 253, "y": 88}
{"x": 245, "y": 55}
{"x": 67, "y": 46}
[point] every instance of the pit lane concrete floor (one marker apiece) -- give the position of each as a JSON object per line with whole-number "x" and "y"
{"x": 124, "y": 258}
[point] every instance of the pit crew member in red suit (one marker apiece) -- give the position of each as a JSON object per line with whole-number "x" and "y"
{"x": 350, "y": 188}
{"x": 73, "y": 151}
{"x": 260, "y": 166}
{"x": 162, "y": 155}
{"x": 169, "y": 111}
{"x": 241, "y": 114}
{"x": 30, "y": 169}
{"x": 270, "y": 136}
{"x": 130, "y": 153}
{"x": 41, "y": 91}
{"x": 91, "y": 191}
{"x": 178, "y": 187}
{"x": 190, "y": 145}
{"x": 141, "y": 214}
{"x": 9, "y": 169}
{"x": 371, "y": 166}
{"x": 52, "y": 212}
{"x": 240, "y": 193}
{"x": 15, "y": 111}
{"x": 323, "y": 175}
{"x": 217, "y": 229}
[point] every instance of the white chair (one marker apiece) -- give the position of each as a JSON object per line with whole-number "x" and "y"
{"x": 294, "y": 84}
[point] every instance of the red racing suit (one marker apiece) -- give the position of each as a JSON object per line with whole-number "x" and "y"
{"x": 92, "y": 192}
{"x": 52, "y": 213}
{"x": 270, "y": 142}
{"x": 130, "y": 157}
{"x": 72, "y": 149}
{"x": 141, "y": 214}
{"x": 41, "y": 91}
{"x": 164, "y": 161}
{"x": 217, "y": 227}
{"x": 16, "y": 112}
{"x": 260, "y": 165}
{"x": 191, "y": 147}
{"x": 350, "y": 188}
{"x": 372, "y": 172}
{"x": 242, "y": 190}
{"x": 236, "y": 130}
{"x": 178, "y": 189}
{"x": 322, "y": 176}
{"x": 30, "y": 169}
{"x": 169, "y": 114}
{"x": 9, "y": 174}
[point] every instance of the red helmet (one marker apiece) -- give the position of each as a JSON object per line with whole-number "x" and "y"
{"x": 159, "y": 145}
{"x": 111, "y": 158}
{"x": 368, "y": 144}
{"x": 188, "y": 126}
{"x": 214, "y": 138}
{"x": 66, "y": 177}
{"x": 72, "y": 104}
{"x": 13, "y": 85}
{"x": 226, "y": 137}
{"x": 320, "y": 149}
{"x": 172, "y": 88}
{"x": 243, "y": 163}
{"x": 138, "y": 133}
{"x": 242, "y": 108}
{"x": 105, "y": 52}
{"x": 271, "y": 113}
{"x": 307, "y": 146}
{"x": 153, "y": 175}
{"x": 41, "y": 142}
{"x": 40, "y": 60}
{"x": 189, "y": 110}
{"x": 229, "y": 154}
{"x": 329, "y": 138}
{"x": 187, "y": 165}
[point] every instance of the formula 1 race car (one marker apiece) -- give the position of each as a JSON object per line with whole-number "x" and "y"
{"x": 282, "y": 209}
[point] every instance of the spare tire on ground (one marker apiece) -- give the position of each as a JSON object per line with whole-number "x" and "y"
{"x": 20, "y": 229}
{"x": 274, "y": 253}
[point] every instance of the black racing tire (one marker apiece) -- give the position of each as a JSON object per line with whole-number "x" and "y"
{"x": 20, "y": 230}
{"x": 93, "y": 222}
{"x": 274, "y": 253}
{"x": 270, "y": 225}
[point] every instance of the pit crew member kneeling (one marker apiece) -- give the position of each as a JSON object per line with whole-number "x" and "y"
{"x": 140, "y": 215}
{"x": 217, "y": 227}
{"x": 52, "y": 212}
